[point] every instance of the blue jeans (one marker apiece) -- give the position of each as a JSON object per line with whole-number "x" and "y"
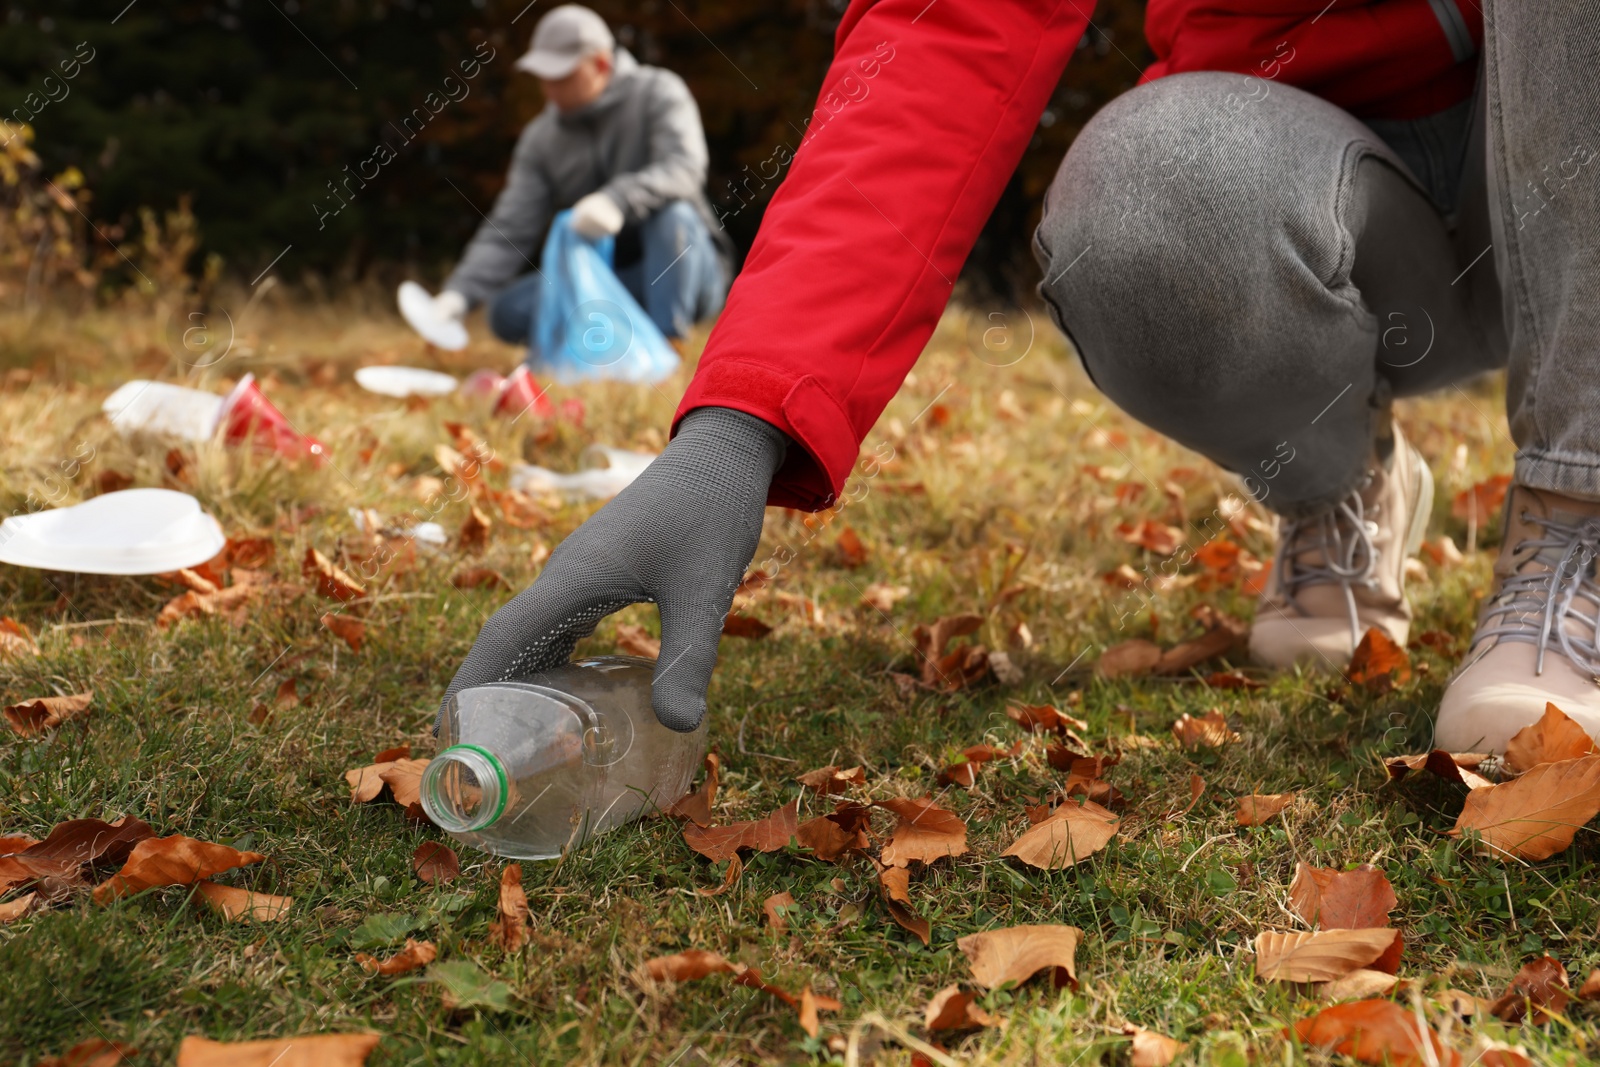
{"x": 678, "y": 278}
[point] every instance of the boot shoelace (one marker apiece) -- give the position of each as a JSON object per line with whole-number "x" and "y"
{"x": 1349, "y": 554}
{"x": 1536, "y": 604}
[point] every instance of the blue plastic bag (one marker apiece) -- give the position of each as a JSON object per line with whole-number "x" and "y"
{"x": 590, "y": 327}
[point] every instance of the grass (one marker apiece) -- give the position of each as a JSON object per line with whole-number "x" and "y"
{"x": 1007, "y": 498}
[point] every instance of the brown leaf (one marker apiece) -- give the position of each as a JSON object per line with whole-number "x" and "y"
{"x": 389, "y": 755}
{"x": 774, "y": 907}
{"x": 965, "y": 772}
{"x": 1482, "y": 502}
{"x": 1359, "y": 984}
{"x": 736, "y": 625}
{"x": 16, "y": 843}
{"x": 415, "y": 955}
{"x": 894, "y": 885}
{"x": 1197, "y": 788}
{"x": 924, "y": 832}
{"x": 510, "y": 930}
{"x": 1538, "y": 989}
{"x": 883, "y": 598}
{"x": 288, "y": 695}
{"x": 1150, "y": 1049}
{"x": 1222, "y": 635}
{"x": 1458, "y": 767}
{"x": 95, "y": 1052}
{"x": 251, "y": 553}
{"x": 237, "y": 904}
{"x": 830, "y": 836}
{"x": 12, "y": 910}
{"x": 1321, "y": 956}
{"x": 57, "y": 865}
{"x": 350, "y": 630}
{"x": 1258, "y": 808}
{"x": 696, "y": 806}
{"x": 1234, "y": 679}
{"x": 1153, "y": 536}
{"x": 718, "y": 843}
{"x": 1442, "y": 552}
{"x": 697, "y": 963}
{"x": 952, "y": 1009}
{"x": 331, "y": 582}
{"x": 308, "y": 1050}
{"x": 1129, "y": 659}
{"x": 1071, "y": 835}
{"x": 33, "y": 717}
{"x": 1379, "y": 663}
{"x": 1378, "y": 1032}
{"x": 474, "y": 535}
{"x": 1016, "y": 953}
{"x": 403, "y": 776}
{"x": 1353, "y": 900}
{"x": 435, "y": 863}
{"x": 826, "y": 781}
{"x": 1209, "y": 731}
{"x": 1590, "y": 990}
{"x": 1553, "y": 738}
{"x": 849, "y": 549}
{"x": 15, "y": 639}
{"x": 175, "y": 860}
{"x": 947, "y": 672}
{"x": 1041, "y": 718}
{"x": 636, "y": 642}
{"x": 1536, "y": 815}
{"x": 479, "y": 578}
{"x": 230, "y": 603}
{"x": 730, "y": 878}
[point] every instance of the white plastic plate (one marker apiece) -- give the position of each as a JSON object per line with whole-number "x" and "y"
{"x": 416, "y": 307}
{"x": 135, "y": 531}
{"x": 405, "y": 381}
{"x": 161, "y": 407}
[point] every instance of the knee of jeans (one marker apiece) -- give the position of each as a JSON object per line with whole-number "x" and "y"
{"x": 676, "y": 216}
{"x": 510, "y": 318}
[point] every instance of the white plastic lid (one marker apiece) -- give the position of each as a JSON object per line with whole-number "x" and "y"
{"x": 416, "y": 307}
{"x": 161, "y": 407}
{"x": 135, "y": 531}
{"x": 405, "y": 381}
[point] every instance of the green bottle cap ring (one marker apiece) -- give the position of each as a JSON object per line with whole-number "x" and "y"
{"x": 499, "y": 773}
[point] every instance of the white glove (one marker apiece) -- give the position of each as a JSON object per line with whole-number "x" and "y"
{"x": 596, "y": 215}
{"x": 450, "y": 305}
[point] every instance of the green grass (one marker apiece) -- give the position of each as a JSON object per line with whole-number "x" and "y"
{"x": 1169, "y": 908}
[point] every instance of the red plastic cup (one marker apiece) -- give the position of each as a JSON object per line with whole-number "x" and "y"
{"x": 248, "y": 416}
{"x": 521, "y": 393}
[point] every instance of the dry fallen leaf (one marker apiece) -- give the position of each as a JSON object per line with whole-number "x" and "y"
{"x": 1257, "y": 808}
{"x": 12, "y": 910}
{"x": 849, "y": 550}
{"x": 1590, "y": 990}
{"x": 33, "y": 717}
{"x": 1318, "y": 957}
{"x": 952, "y": 1009}
{"x": 435, "y": 863}
{"x": 474, "y": 535}
{"x": 883, "y": 598}
{"x": 510, "y": 930}
{"x": 1378, "y": 663}
{"x": 831, "y": 836}
{"x": 308, "y": 1050}
{"x": 1197, "y": 788}
{"x": 238, "y": 904}
{"x": 1044, "y": 718}
{"x": 403, "y": 776}
{"x": 1553, "y": 738}
{"x": 15, "y": 639}
{"x": 1458, "y": 767}
{"x": 1482, "y": 502}
{"x": 748, "y": 626}
{"x": 1538, "y": 989}
{"x": 479, "y": 578}
{"x": 697, "y": 963}
{"x": 350, "y": 630}
{"x": 634, "y": 641}
{"x": 230, "y": 603}
{"x": 774, "y": 908}
{"x": 331, "y": 582}
{"x": 1016, "y": 953}
{"x": 1223, "y": 633}
{"x": 949, "y": 672}
{"x": 1378, "y": 1032}
{"x": 415, "y": 956}
{"x": 1153, "y": 536}
{"x": 95, "y": 1052}
{"x": 1352, "y": 900}
{"x": 1359, "y": 984}
{"x": 1074, "y": 833}
{"x": 1150, "y": 1049}
{"x": 925, "y": 832}
{"x": 718, "y": 843}
{"x": 1536, "y": 815}
{"x": 175, "y": 860}
{"x": 57, "y": 866}
{"x": 894, "y": 885}
{"x": 1128, "y": 659}
{"x": 696, "y": 806}
{"x": 1209, "y": 731}
{"x": 965, "y": 772}
{"x": 826, "y": 781}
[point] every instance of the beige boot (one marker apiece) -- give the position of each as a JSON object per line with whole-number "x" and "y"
{"x": 1537, "y": 630}
{"x": 1342, "y": 572}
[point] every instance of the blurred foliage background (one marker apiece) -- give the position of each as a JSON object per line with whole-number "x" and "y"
{"x": 247, "y": 110}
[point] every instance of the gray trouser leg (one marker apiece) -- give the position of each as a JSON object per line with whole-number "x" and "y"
{"x": 1253, "y": 272}
{"x": 1542, "y": 74}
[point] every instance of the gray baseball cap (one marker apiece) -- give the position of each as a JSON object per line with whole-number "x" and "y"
{"x": 564, "y": 38}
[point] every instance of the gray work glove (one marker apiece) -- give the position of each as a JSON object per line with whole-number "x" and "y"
{"x": 680, "y": 536}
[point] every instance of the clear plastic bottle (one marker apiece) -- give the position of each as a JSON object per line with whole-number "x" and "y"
{"x": 531, "y": 769}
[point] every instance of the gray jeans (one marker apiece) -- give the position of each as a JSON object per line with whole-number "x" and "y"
{"x": 1255, "y": 272}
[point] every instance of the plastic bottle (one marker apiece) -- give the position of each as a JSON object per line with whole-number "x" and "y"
{"x": 531, "y": 769}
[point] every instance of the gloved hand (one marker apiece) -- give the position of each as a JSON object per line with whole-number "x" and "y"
{"x": 681, "y": 535}
{"x": 596, "y": 215}
{"x": 450, "y": 305}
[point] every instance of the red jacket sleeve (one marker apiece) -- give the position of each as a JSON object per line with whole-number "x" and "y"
{"x": 921, "y": 120}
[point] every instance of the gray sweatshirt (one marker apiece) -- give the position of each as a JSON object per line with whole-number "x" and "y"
{"x": 641, "y": 143}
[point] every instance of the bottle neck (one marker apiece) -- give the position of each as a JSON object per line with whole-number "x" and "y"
{"x": 464, "y": 788}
